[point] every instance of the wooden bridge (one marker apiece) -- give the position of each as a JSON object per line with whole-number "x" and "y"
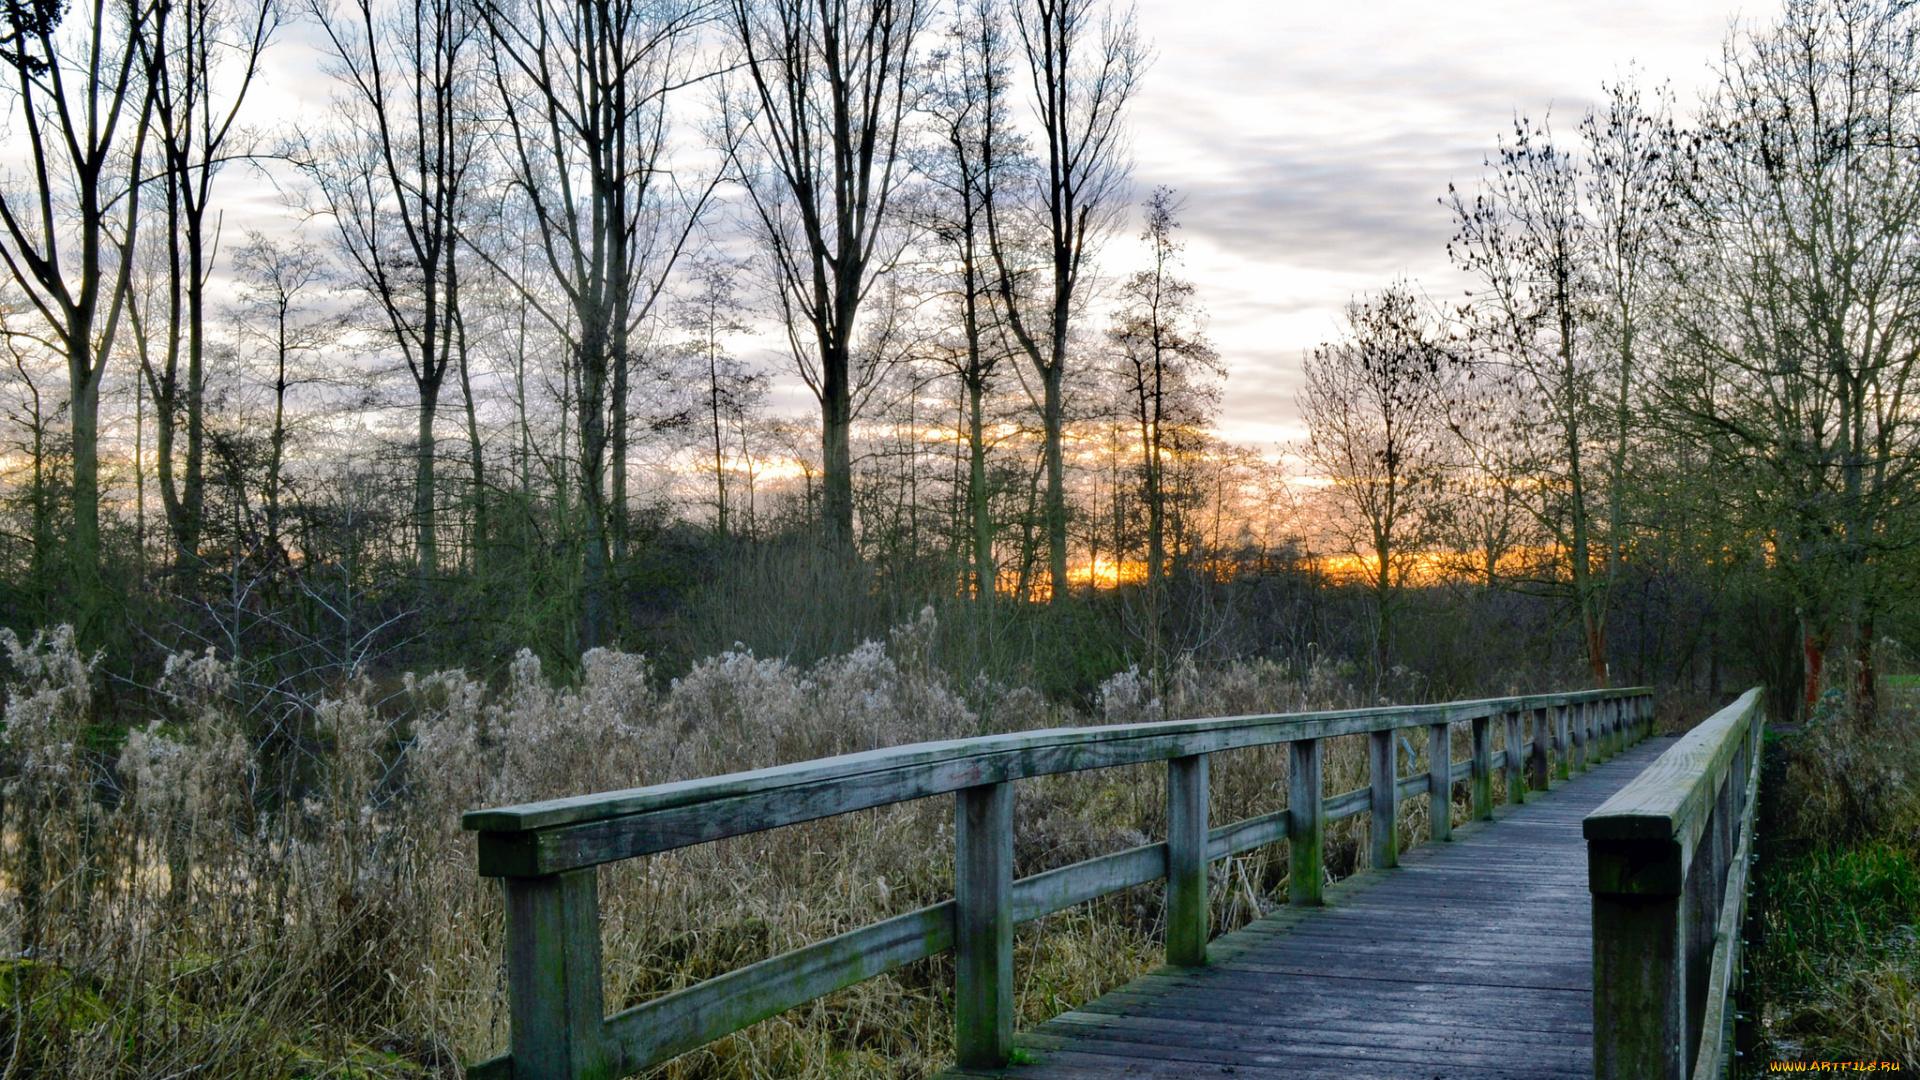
{"x": 1587, "y": 927}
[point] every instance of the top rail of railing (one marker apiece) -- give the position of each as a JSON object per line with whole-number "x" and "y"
{"x": 1670, "y": 802}
{"x": 1667, "y": 860}
{"x": 555, "y": 835}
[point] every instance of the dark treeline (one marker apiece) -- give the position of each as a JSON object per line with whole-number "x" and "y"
{"x": 493, "y": 392}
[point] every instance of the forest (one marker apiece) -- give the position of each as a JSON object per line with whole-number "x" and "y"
{"x": 470, "y": 470}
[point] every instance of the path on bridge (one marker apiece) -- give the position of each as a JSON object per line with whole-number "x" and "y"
{"x": 1472, "y": 961}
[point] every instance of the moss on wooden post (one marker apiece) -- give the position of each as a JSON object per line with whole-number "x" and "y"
{"x": 1482, "y": 768}
{"x": 1562, "y": 742}
{"x": 1187, "y": 922}
{"x": 1440, "y": 781}
{"x": 1538, "y": 764}
{"x": 1639, "y": 988}
{"x": 555, "y": 1013}
{"x": 1385, "y": 801}
{"x": 983, "y": 926}
{"x": 1306, "y": 825}
{"x": 1516, "y": 779}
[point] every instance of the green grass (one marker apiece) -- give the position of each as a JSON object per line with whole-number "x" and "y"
{"x": 1830, "y": 906}
{"x": 1835, "y": 917}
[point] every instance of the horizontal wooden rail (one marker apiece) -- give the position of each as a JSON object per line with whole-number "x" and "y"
{"x": 1666, "y": 864}
{"x": 545, "y": 853}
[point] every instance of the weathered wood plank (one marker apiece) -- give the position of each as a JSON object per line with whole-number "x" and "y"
{"x": 547, "y": 837}
{"x": 1539, "y": 766}
{"x": 553, "y": 977}
{"x": 1712, "y": 1059}
{"x": 1164, "y": 736}
{"x": 1659, "y": 854}
{"x": 654, "y": 1031}
{"x": 1347, "y": 804}
{"x": 1187, "y": 914}
{"x": 1669, "y": 801}
{"x": 1440, "y": 781}
{"x": 1472, "y": 959}
{"x": 1482, "y": 765}
{"x": 1243, "y": 836}
{"x": 1306, "y": 834}
{"x": 983, "y": 987}
{"x": 1384, "y": 829}
{"x": 1516, "y": 780}
{"x": 1056, "y": 890}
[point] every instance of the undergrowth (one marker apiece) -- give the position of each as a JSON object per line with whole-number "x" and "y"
{"x": 254, "y": 887}
{"x": 1834, "y": 968}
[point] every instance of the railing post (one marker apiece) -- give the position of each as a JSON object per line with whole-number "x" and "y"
{"x": 1542, "y": 743}
{"x": 1596, "y": 731}
{"x": 1386, "y": 799}
{"x": 982, "y": 926}
{"x": 1187, "y": 922}
{"x": 1516, "y": 783}
{"x": 1562, "y": 741}
{"x": 1639, "y": 965}
{"x": 1577, "y": 734}
{"x": 554, "y": 1003}
{"x": 1482, "y": 768}
{"x": 1440, "y": 781}
{"x": 1603, "y": 723}
{"x": 1306, "y": 823}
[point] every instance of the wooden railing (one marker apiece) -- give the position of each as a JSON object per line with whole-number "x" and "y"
{"x": 1667, "y": 860}
{"x": 545, "y": 853}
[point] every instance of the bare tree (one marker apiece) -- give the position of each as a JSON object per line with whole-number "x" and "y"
{"x": 1166, "y": 365}
{"x": 973, "y": 146}
{"x": 1375, "y": 405}
{"x": 1799, "y": 310}
{"x": 1084, "y": 62}
{"x": 584, "y": 92}
{"x": 1633, "y": 164}
{"x": 78, "y": 97}
{"x": 197, "y": 99}
{"x": 276, "y": 286}
{"x": 1526, "y": 236}
{"x": 398, "y": 178}
{"x": 709, "y": 316}
{"x": 819, "y": 139}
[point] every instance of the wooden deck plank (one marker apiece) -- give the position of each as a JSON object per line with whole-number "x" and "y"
{"x": 1470, "y": 961}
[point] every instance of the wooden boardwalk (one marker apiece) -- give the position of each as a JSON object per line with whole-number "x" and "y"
{"x": 1471, "y": 961}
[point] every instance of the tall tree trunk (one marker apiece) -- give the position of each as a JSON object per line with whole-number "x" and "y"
{"x": 836, "y": 448}
{"x": 1866, "y": 674}
{"x": 1813, "y": 654}
{"x": 427, "y": 543}
{"x": 978, "y": 501}
{"x": 193, "y": 487}
{"x": 1054, "y": 508}
{"x": 617, "y": 448}
{"x": 84, "y": 403}
{"x": 476, "y": 456}
{"x": 595, "y": 613}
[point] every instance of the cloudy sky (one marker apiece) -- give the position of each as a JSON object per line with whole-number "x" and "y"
{"x": 1312, "y": 141}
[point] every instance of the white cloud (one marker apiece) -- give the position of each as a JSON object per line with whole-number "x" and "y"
{"x": 1312, "y": 142}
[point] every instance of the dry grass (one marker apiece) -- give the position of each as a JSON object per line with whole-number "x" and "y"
{"x": 252, "y": 893}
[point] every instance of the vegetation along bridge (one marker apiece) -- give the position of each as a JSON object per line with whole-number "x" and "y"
{"x": 1589, "y": 929}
